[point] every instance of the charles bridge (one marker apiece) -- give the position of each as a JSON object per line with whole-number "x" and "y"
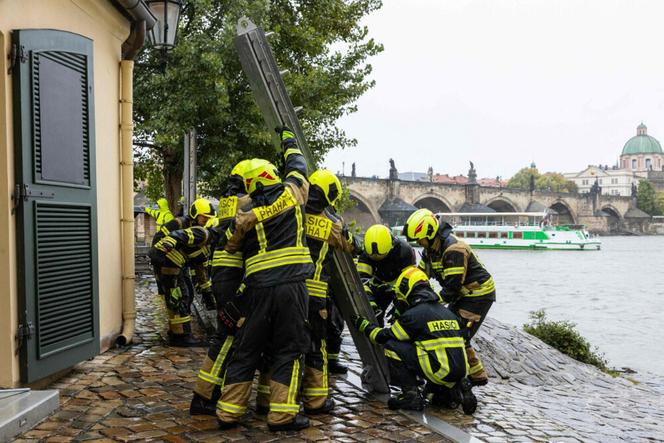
{"x": 378, "y": 200}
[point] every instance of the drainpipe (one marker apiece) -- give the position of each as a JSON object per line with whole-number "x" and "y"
{"x": 129, "y": 50}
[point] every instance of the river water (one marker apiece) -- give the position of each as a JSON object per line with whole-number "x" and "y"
{"x": 615, "y": 295}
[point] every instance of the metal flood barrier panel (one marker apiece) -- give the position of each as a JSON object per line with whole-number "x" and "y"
{"x": 274, "y": 102}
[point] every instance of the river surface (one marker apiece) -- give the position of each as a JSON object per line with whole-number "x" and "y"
{"x": 615, "y": 295}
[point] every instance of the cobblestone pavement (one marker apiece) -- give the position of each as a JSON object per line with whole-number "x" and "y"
{"x": 143, "y": 393}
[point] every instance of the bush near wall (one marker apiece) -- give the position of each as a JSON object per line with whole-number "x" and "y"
{"x": 563, "y": 336}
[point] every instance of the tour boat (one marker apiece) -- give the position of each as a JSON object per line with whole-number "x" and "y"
{"x": 518, "y": 230}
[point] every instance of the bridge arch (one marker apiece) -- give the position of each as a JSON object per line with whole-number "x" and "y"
{"x": 502, "y": 204}
{"x": 363, "y": 212}
{"x": 432, "y": 201}
{"x": 565, "y": 215}
{"x": 614, "y": 219}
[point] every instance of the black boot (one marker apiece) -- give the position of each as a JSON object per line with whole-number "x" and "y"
{"x": 184, "y": 341}
{"x": 443, "y": 397}
{"x": 262, "y": 410}
{"x": 224, "y": 425}
{"x": 410, "y": 399}
{"x": 334, "y": 367}
{"x": 202, "y": 406}
{"x": 300, "y": 422}
{"x": 327, "y": 407}
{"x": 468, "y": 399}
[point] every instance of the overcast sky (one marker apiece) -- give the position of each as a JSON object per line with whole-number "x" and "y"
{"x": 563, "y": 83}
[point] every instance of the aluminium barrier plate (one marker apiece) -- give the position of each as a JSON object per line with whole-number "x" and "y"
{"x": 272, "y": 98}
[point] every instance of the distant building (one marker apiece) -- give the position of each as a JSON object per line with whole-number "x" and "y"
{"x": 414, "y": 176}
{"x": 641, "y": 158}
{"x": 446, "y": 179}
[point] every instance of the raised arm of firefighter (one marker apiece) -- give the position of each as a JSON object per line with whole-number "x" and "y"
{"x": 453, "y": 273}
{"x": 295, "y": 166}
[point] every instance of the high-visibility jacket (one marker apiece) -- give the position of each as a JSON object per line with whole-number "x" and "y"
{"x": 456, "y": 267}
{"x": 173, "y": 225}
{"x": 435, "y": 332}
{"x": 324, "y": 231}
{"x": 271, "y": 235}
{"x": 162, "y": 215}
{"x": 376, "y": 273}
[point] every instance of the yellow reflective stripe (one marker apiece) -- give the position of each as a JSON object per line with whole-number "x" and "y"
{"x": 179, "y": 320}
{"x": 442, "y": 342}
{"x": 221, "y": 357}
{"x": 364, "y": 268}
{"x": 176, "y": 257}
{"x": 323, "y": 351}
{"x": 485, "y": 288}
{"x": 223, "y": 258}
{"x": 197, "y": 252}
{"x": 373, "y": 334}
{"x": 453, "y": 271}
{"x": 278, "y": 257}
{"x": 209, "y": 378}
{"x": 333, "y": 356}
{"x": 297, "y": 175}
{"x": 475, "y": 368}
{"x": 316, "y": 288}
{"x": 228, "y": 234}
{"x": 165, "y": 230}
{"x": 391, "y": 354}
{"x": 206, "y": 285}
{"x": 284, "y": 407}
{"x": 291, "y": 151}
{"x": 399, "y": 331}
{"x": 262, "y": 240}
{"x": 321, "y": 259}
{"x": 316, "y": 392}
{"x": 190, "y": 237}
{"x": 425, "y": 364}
{"x": 263, "y": 389}
{"x": 293, "y": 387}
{"x": 230, "y": 407}
{"x": 300, "y": 226}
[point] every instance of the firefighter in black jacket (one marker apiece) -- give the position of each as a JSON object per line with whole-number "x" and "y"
{"x": 425, "y": 341}
{"x": 227, "y": 271}
{"x": 383, "y": 259}
{"x": 465, "y": 283}
{"x": 180, "y": 241}
{"x": 277, "y": 261}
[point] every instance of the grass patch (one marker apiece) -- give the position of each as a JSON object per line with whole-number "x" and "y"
{"x": 563, "y": 336}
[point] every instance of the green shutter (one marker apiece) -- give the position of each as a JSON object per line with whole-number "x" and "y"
{"x": 56, "y": 214}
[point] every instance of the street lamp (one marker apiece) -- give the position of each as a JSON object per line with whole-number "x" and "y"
{"x": 162, "y": 34}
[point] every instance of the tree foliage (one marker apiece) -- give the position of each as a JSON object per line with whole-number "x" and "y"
{"x": 202, "y": 85}
{"x": 646, "y": 198}
{"x": 549, "y": 181}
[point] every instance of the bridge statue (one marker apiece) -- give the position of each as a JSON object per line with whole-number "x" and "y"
{"x": 394, "y": 174}
{"x": 352, "y": 171}
{"x": 472, "y": 174}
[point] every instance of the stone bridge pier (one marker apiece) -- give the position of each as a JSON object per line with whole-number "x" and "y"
{"x": 600, "y": 213}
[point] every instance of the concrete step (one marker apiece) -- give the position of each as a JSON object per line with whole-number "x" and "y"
{"x": 20, "y": 410}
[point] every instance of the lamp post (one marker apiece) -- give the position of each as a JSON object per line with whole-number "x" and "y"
{"x": 162, "y": 35}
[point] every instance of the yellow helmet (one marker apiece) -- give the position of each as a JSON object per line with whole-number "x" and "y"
{"x": 241, "y": 167}
{"x": 408, "y": 278}
{"x": 260, "y": 171}
{"x": 328, "y": 183}
{"x": 377, "y": 242}
{"x": 421, "y": 224}
{"x": 201, "y": 206}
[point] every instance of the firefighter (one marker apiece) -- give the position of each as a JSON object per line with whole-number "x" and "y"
{"x": 226, "y": 273}
{"x": 162, "y": 215}
{"x": 271, "y": 236}
{"x": 183, "y": 240}
{"x": 382, "y": 260}
{"x": 425, "y": 342}
{"x": 466, "y": 285}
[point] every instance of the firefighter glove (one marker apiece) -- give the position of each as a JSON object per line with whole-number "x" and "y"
{"x": 360, "y": 322}
{"x": 285, "y": 133}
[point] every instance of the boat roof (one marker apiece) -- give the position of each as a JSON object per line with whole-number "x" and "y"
{"x": 492, "y": 214}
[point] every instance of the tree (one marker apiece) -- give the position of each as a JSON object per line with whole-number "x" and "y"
{"x": 646, "y": 198}
{"x": 549, "y": 181}
{"x": 202, "y": 85}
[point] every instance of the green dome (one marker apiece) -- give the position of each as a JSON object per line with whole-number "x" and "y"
{"x": 642, "y": 143}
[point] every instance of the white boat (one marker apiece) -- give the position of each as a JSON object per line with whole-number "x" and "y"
{"x": 517, "y": 230}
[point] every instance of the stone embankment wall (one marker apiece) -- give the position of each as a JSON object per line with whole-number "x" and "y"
{"x": 537, "y": 393}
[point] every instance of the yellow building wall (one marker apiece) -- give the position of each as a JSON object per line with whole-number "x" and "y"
{"x": 101, "y": 22}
